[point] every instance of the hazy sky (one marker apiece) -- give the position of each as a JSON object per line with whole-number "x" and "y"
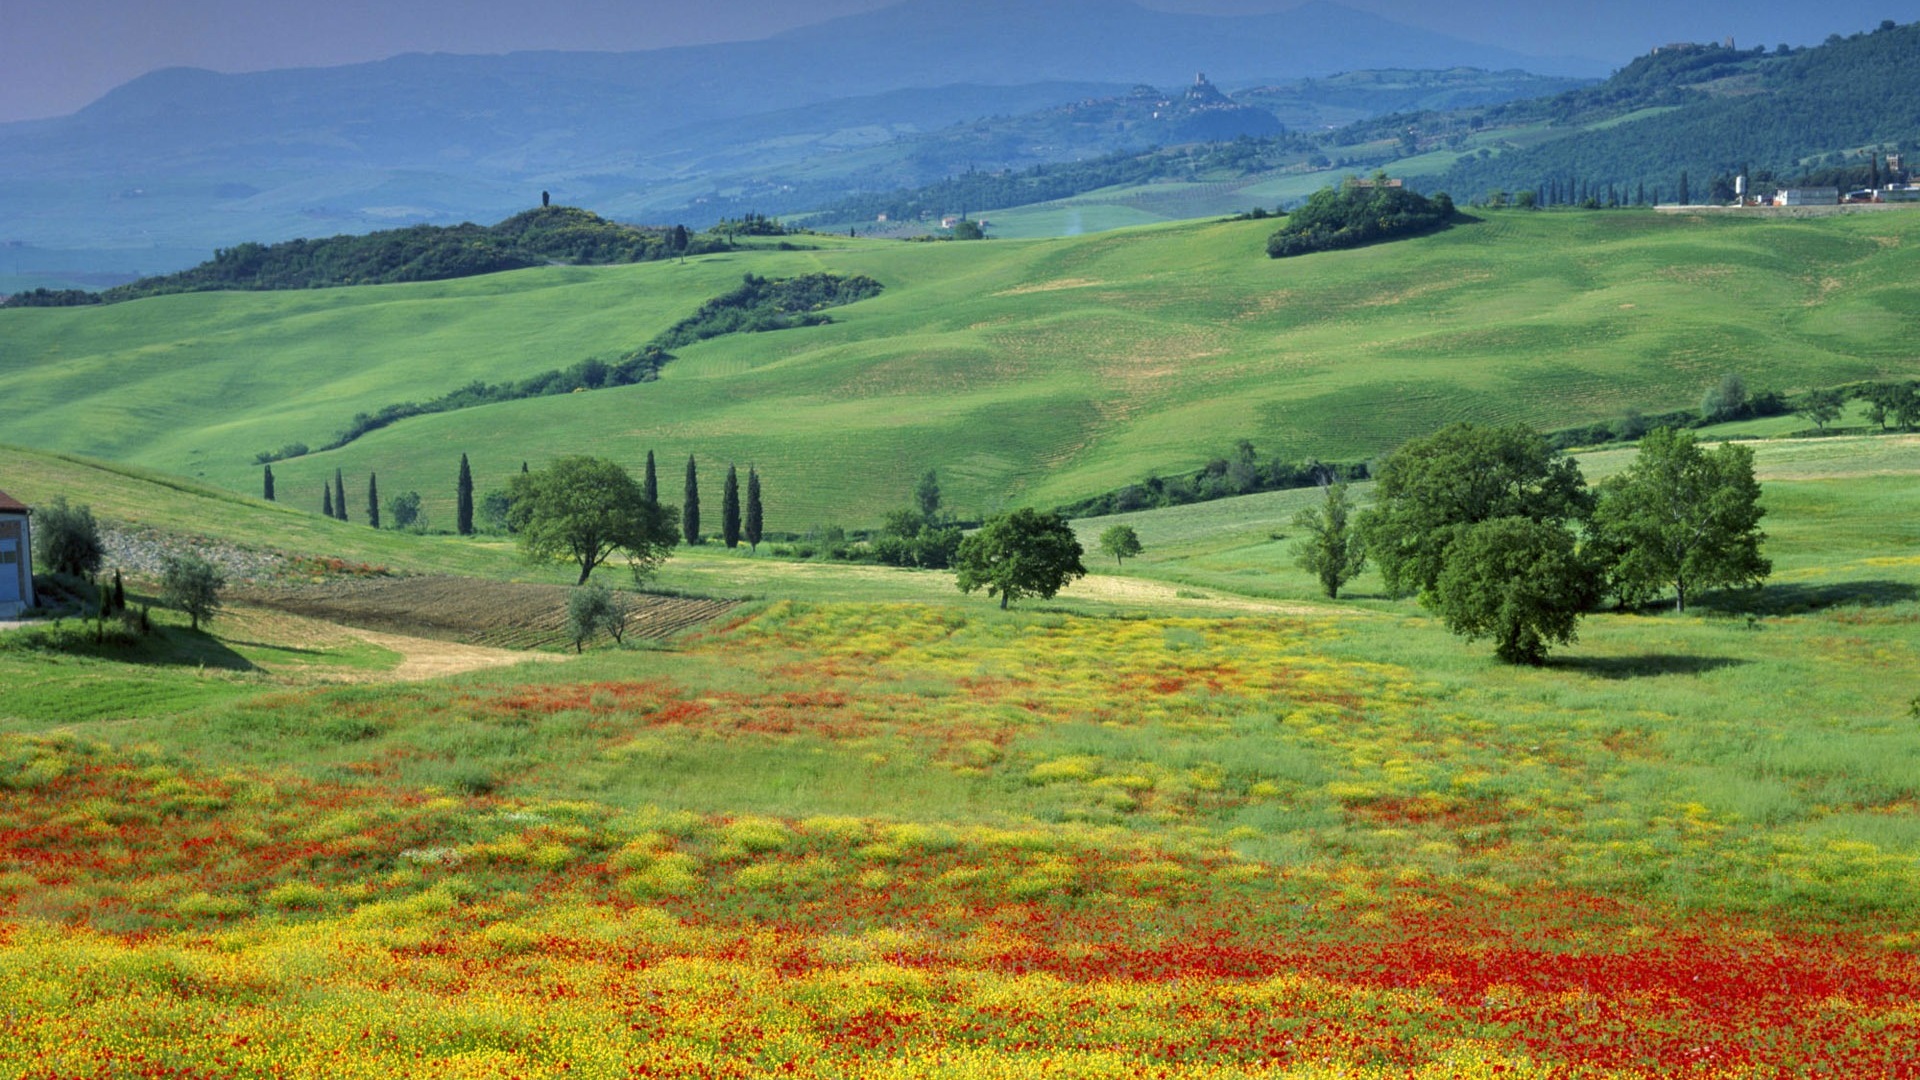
{"x": 58, "y": 55}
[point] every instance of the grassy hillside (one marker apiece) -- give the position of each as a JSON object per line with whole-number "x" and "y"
{"x": 1025, "y": 371}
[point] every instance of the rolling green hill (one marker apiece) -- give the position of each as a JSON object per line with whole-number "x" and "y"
{"x": 1025, "y": 371}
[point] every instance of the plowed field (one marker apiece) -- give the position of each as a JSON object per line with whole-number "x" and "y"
{"x": 506, "y": 615}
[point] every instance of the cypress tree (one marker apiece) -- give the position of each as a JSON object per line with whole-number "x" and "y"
{"x": 730, "y": 509}
{"x": 119, "y": 592}
{"x": 373, "y": 501}
{"x": 266, "y": 484}
{"x": 326, "y": 499}
{"x": 463, "y": 499}
{"x": 651, "y": 485}
{"x": 753, "y": 510}
{"x": 523, "y": 468}
{"x": 339, "y": 496}
{"x": 690, "y": 507}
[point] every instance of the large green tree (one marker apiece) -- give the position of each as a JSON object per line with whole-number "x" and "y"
{"x": 587, "y": 510}
{"x": 1331, "y": 549}
{"x": 1432, "y": 488}
{"x": 1517, "y": 581}
{"x": 1024, "y": 553}
{"x": 1682, "y": 517}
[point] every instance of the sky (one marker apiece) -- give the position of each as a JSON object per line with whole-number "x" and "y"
{"x": 58, "y": 55}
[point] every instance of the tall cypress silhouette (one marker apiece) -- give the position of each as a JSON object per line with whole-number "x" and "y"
{"x": 373, "y": 501}
{"x": 339, "y": 496}
{"x": 651, "y": 485}
{"x": 266, "y": 484}
{"x": 753, "y": 510}
{"x": 463, "y": 499}
{"x": 730, "y": 509}
{"x": 690, "y": 507}
{"x": 326, "y": 499}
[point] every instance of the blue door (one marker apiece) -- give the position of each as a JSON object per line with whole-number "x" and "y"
{"x": 9, "y": 571}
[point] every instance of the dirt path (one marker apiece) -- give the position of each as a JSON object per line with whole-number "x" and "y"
{"x": 426, "y": 658}
{"x": 1128, "y": 590}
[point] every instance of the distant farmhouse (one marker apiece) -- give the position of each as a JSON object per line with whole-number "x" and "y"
{"x": 16, "y": 557}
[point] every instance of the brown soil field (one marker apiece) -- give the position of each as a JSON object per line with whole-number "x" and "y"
{"x": 498, "y": 614}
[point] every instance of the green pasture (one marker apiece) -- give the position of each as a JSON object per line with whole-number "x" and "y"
{"x": 1751, "y": 755}
{"x": 1024, "y": 371}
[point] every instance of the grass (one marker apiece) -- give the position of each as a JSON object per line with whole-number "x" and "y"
{"x": 885, "y": 830}
{"x": 1025, "y": 371}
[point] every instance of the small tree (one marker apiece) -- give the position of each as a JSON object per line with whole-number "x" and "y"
{"x": 1331, "y": 549}
{"x": 119, "y": 592}
{"x": 1024, "y": 553}
{"x": 651, "y": 485}
{"x": 690, "y": 508}
{"x": 326, "y": 499}
{"x": 730, "y": 509}
{"x": 68, "y": 538}
{"x": 339, "y": 496}
{"x": 373, "y": 502}
{"x": 1517, "y": 581}
{"x": 753, "y": 531}
{"x": 193, "y": 585}
{"x": 1682, "y": 517}
{"x": 926, "y": 495}
{"x": 495, "y": 508}
{"x": 463, "y": 499}
{"x": 586, "y": 510}
{"x": 266, "y": 484}
{"x": 1725, "y": 400}
{"x": 1821, "y": 406}
{"x": 1121, "y": 542}
{"x": 592, "y": 608}
{"x": 405, "y": 511}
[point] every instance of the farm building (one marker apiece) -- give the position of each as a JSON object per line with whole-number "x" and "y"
{"x": 16, "y": 557}
{"x": 1812, "y": 196}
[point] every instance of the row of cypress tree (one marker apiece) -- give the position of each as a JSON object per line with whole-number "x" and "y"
{"x": 734, "y": 526}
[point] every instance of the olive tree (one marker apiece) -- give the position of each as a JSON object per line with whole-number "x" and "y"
{"x": 193, "y": 585}
{"x": 68, "y": 538}
{"x": 586, "y": 510}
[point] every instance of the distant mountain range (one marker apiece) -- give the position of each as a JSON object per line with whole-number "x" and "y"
{"x": 186, "y": 159}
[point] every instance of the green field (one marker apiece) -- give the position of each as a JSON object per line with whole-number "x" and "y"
{"x": 1025, "y": 371}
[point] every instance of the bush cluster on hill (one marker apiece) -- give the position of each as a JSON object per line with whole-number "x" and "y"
{"x": 1358, "y": 213}
{"x": 758, "y": 305}
{"x": 51, "y": 298}
{"x": 1241, "y": 473}
{"x": 426, "y": 253}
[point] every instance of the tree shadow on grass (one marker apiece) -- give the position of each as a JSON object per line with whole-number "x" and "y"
{"x": 1641, "y": 667}
{"x": 1799, "y": 599}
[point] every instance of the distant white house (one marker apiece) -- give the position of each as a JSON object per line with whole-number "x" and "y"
{"x": 16, "y": 557}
